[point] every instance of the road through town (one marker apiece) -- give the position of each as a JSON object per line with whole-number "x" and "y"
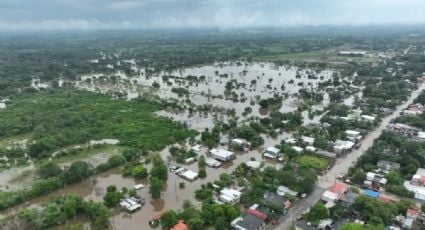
{"x": 342, "y": 165}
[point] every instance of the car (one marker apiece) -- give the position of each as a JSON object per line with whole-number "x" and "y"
{"x": 174, "y": 168}
{"x": 138, "y": 186}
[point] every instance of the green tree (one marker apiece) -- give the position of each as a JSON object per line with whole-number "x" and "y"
{"x": 155, "y": 188}
{"x": 78, "y": 171}
{"x": 48, "y": 170}
{"x": 139, "y": 172}
{"x": 169, "y": 219}
{"x": 317, "y": 212}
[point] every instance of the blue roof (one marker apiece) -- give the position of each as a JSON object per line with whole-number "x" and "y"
{"x": 371, "y": 193}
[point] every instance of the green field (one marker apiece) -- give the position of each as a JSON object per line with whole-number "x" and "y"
{"x": 309, "y": 161}
{"x": 57, "y": 119}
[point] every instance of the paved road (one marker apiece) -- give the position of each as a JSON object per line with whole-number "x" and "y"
{"x": 341, "y": 166}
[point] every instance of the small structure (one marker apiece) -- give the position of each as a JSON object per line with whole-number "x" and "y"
{"x": 180, "y": 226}
{"x": 222, "y": 154}
{"x": 211, "y": 162}
{"x": 421, "y": 136}
{"x": 387, "y": 166}
{"x": 326, "y": 154}
{"x": 276, "y": 199}
{"x": 371, "y": 193}
{"x": 130, "y": 204}
{"x": 253, "y": 164}
{"x": 272, "y": 152}
{"x": 325, "y": 224}
{"x": 230, "y": 196}
{"x": 190, "y": 160}
{"x": 297, "y": 149}
{"x": 374, "y": 180}
{"x": 283, "y": 190}
{"x": 368, "y": 118}
{"x": 311, "y": 148}
{"x": 241, "y": 143}
{"x": 307, "y": 140}
{"x": 188, "y": 175}
{"x": 197, "y": 148}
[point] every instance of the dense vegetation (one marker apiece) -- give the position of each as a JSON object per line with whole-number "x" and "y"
{"x": 57, "y": 119}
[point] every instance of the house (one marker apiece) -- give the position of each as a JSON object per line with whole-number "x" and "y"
{"x": 325, "y": 154}
{"x": 272, "y": 152}
{"x": 329, "y": 196}
{"x": 353, "y": 135}
{"x": 340, "y": 188}
{"x": 248, "y": 222}
{"x": 188, "y": 175}
{"x": 229, "y": 196}
{"x": 130, "y": 204}
{"x": 241, "y": 143}
{"x": 180, "y": 226}
{"x": 197, "y": 148}
{"x": 374, "y": 180}
{"x": 341, "y": 146}
{"x": 297, "y": 149}
{"x": 417, "y": 184}
{"x": 307, "y": 140}
{"x": 403, "y": 129}
{"x": 310, "y": 148}
{"x": 388, "y": 165}
{"x": 349, "y": 198}
{"x": 325, "y": 224}
{"x": 413, "y": 212}
{"x": 421, "y": 136}
{"x": 419, "y": 177}
{"x": 283, "y": 190}
{"x": 274, "y": 198}
{"x": 211, "y": 162}
{"x": 368, "y": 118}
{"x": 222, "y": 155}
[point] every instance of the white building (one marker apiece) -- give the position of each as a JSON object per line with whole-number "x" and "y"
{"x": 222, "y": 155}
{"x": 271, "y": 152}
{"x": 189, "y": 175}
{"x": 253, "y": 164}
{"x": 342, "y": 146}
{"x": 230, "y": 196}
{"x": 283, "y": 190}
{"x": 353, "y": 135}
{"x": 130, "y": 205}
{"x": 297, "y": 149}
{"x": 307, "y": 140}
{"x": 211, "y": 162}
{"x": 329, "y": 196}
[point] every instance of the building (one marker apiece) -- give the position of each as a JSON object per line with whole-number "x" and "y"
{"x": 222, "y": 155}
{"x": 297, "y": 149}
{"x": 340, "y": 188}
{"x": 341, "y": 146}
{"x": 188, "y": 175}
{"x": 180, "y": 226}
{"x": 329, "y": 196}
{"x": 325, "y": 154}
{"x": 353, "y": 135}
{"x": 130, "y": 204}
{"x": 404, "y": 129}
{"x": 283, "y": 190}
{"x": 374, "y": 180}
{"x": 248, "y": 222}
{"x": 272, "y": 152}
{"x": 241, "y": 143}
{"x": 276, "y": 199}
{"x": 229, "y": 196}
{"x": 197, "y": 148}
{"x": 211, "y": 162}
{"x": 368, "y": 118}
{"x": 417, "y": 184}
{"x": 307, "y": 140}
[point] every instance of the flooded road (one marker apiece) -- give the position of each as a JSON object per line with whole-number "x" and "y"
{"x": 343, "y": 164}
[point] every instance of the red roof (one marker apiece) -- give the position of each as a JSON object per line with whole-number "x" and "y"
{"x": 180, "y": 226}
{"x": 339, "y": 188}
{"x": 413, "y": 212}
{"x": 256, "y": 213}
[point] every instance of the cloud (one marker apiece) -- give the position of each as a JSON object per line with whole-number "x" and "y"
{"x": 128, "y": 14}
{"x": 51, "y": 25}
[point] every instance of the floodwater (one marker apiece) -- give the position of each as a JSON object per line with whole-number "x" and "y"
{"x": 251, "y": 82}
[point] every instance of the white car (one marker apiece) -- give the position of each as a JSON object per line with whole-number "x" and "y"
{"x": 138, "y": 186}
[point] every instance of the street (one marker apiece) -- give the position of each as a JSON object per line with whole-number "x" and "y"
{"x": 342, "y": 166}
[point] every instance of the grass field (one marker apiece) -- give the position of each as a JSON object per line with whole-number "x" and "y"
{"x": 309, "y": 161}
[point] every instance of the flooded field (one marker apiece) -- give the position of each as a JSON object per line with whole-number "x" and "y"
{"x": 218, "y": 89}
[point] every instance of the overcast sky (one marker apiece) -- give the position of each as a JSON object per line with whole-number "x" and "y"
{"x": 22, "y": 15}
